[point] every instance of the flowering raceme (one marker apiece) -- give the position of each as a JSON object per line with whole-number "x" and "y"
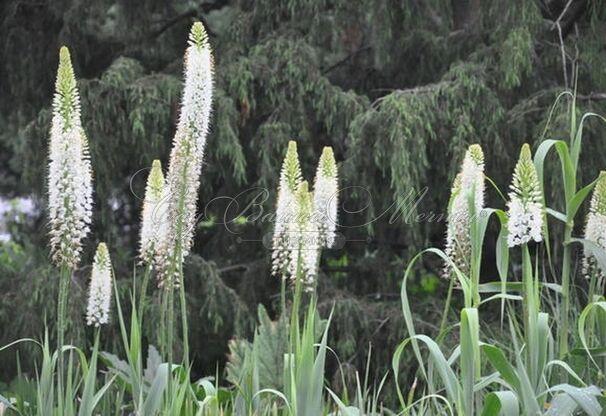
{"x": 100, "y": 289}
{"x": 595, "y": 228}
{"x": 154, "y": 222}
{"x": 306, "y": 251}
{"x": 187, "y": 154}
{"x": 525, "y": 202}
{"x": 70, "y": 174}
{"x": 285, "y": 232}
{"x": 325, "y": 198}
{"x": 467, "y": 193}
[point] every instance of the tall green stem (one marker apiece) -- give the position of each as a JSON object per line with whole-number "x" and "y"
{"x": 565, "y": 304}
{"x": 294, "y": 319}
{"x": 64, "y": 283}
{"x": 170, "y": 318}
{"x": 143, "y": 293}
{"x": 283, "y": 296}
{"x": 178, "y": 262}
{"x": 531, "y": 310}
{"x": 184, "y": 317}
{"x": 446, "y": 310}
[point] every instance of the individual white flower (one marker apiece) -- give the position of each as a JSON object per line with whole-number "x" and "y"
{"x": 70, "y": 175}
{"x": 525, "y": 202}
{"x": 467, "y": 193}
{"x": 187, "y": 154}
{"x": 285, "y": 235}
{"x": 155, "y": 219}
{"x": 326, "y": 197}
{"x": 595, "y": 228}
{"x": 100, "y": 289}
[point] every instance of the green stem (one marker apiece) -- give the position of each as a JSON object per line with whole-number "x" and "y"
{"x": 531, "y": 310}
{"x": 64, "y": 283}
{"x": 565, "y": 304}
{"x": 143, "y": 294}
{"x": 283, "y": 296}
{"x": 178, "y": 266}
{"x": 446, "y": 310}
{"x": 163, "y": 332}
{"x": 184, "y": 317}
{"x": 170, "y": 311}
{"x": 294, "y": 325}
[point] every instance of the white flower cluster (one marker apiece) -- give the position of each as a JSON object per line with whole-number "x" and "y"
{"x": 100, "y": 289}
{"x": 525, "y": 202}
{"x": 307, "y": 240}
{"x": 187, "y": 154}
{"x": 595, "y": 229}
{"x": 305, "y": 221}
{"x": 70, "y": 175}
{"x": 155, "y": 219}
{"x": 326, "y": 197}
{"x": 285, "y": 236}
{"x": 467, "y": 192}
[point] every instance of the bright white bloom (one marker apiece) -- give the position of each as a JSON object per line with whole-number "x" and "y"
{"x": 326, "y": 197}
{"x": 155, "y": 220}
{"x": 189, "y": 142}
{"x": 70, "y": 175}
{"x": 525, "y": 202}
{"x": 305, "y": 254}
{"x": 467, "y": 193}
{"x": 286, "y": 227}
{"x": 100, "y": 290}
{"x": 595, "y": 228}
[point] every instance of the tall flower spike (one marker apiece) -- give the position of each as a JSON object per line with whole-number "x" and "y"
{"x": 307, "y": 243}
{"x": 154, "y": 221}
{"x": 100, "y": 290}
{"x": 285, "y": 231}
{"x": 467, "y": 191}
{"x": 326, "y": 197}
{"x": 70, "y": 175}
{"x": 595, "y": 228}
{"x": 189, "y": 143}
{"x": 525, "y": 202}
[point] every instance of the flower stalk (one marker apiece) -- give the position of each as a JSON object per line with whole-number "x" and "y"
{"x": 154, "y": 229}
{"x": 595, "y": 232}
{"x": 100, "y": 289}
{"x": 525, "y": 224}
{"x": 69, "y": 184}
{"x": 466, "y": 203}
{"x": 183, "y": 177}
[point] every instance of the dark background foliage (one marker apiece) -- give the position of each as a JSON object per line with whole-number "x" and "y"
{"x": 398, "y": 88}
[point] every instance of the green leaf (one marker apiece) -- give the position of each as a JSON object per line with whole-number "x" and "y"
{"x": 501, "y": 403}
{"x": 577, "y": 200}
{"x": 502, "y": 365}
{"x": 585, "y": 398}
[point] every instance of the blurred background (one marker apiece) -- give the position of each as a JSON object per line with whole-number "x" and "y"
{"x": 399, "y": 89}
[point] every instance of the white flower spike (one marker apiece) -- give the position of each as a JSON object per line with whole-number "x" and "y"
{"x": 595, "y": 228}
{"x": 305, "y": 253}
{"x": 100, "y": 290}
{"x": 286, "y": 227}
{"x": 525, "y": 202}
{"x": 467, "y": 192}
{"x": 187, "y": 154}
{"x": 326, "y": 198}
{"x": 70, "y": 175}
{"x": 155, "y": 219}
